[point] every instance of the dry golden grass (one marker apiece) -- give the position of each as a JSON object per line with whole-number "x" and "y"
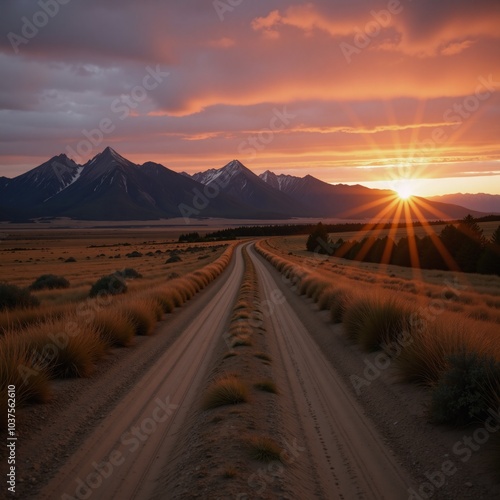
{"x": 425, "y": 357}
{"x": 21, "y": 318}
{"x": 374, "y": 320}
{"x": 19, "y": 368}
{"x": 115, "y": 327}
{"x": 141, "y": 313}
{"x": 63, "y": 348}
{"x": 340, "y": 300}
{"x": 460, "y": 318}
{"x": 66, "y": 338}
{"x": 227, "y": 390}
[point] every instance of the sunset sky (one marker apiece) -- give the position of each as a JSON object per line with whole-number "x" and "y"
{"x": 352, "y": 91}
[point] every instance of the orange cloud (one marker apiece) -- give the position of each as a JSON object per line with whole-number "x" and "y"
{"x": 222, "y": 43}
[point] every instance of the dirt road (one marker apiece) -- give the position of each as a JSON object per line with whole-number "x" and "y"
{"x": 122, "y": 457}
{"x": 350, "y": 460}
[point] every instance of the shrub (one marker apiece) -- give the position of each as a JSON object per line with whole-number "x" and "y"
{"x": 173, "y": 259}
{"x": 49, "y": 282}
{"x": 263, "y": 449}
{"x": 462, "y": 395}
{"x": 325, "y": 299}
{"x": 227, "y": 390}
{"x": 129, "y": 273}
{"x": 108, "y": 285}
{"x": 12, "y": 297}
{"x": 165, "y": 301}
{"x": 134, "y": 255}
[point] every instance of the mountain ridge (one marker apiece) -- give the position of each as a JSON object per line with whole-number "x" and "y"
{"x": 111, "y": 187}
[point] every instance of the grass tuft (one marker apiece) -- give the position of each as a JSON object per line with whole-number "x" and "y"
{"x": 142, "y": 314}
{"x": 374, "y": 321}
{"x": 263, "y": 449}
{"x": 241, "y": 342}
{"x": 266, "y": 386}
{"x": 115, "y": 327}
{"x": 227, "y": 390}
{"x": 19, "y": 368}
{"x": 230, "y": 473}
{"x": 340, "y": 300}
{"x": 263, "y": 356}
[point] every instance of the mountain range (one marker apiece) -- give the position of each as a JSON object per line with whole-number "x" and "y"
{"x": 482, "y": 202}
{"x": 110, "y": 187}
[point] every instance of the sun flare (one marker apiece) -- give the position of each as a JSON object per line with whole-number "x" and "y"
{"x": 404, "y": 191}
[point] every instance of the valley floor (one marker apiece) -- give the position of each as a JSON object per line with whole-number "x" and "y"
{"x": 139, "y": 429}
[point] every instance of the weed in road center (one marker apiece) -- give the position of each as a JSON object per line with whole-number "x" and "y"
{"x": 227, "y": 390}
{"x": 266, "y": 386}
{"x": 263, "y": 449}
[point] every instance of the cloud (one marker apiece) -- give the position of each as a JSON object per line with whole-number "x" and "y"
{"x": 454, "y": 48}
{"x": 225, "y": 79}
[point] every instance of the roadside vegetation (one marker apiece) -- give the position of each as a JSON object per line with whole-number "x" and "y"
{"x": 41, "y": 342}
{"x": 427, "y": 331}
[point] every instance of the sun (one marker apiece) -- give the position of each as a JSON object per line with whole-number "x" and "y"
{"x": 405, "y": 193}
{"x": 404, "y": 190}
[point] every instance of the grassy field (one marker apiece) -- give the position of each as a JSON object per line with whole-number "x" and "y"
{"x": 487, "y": 227}
{"x": 24, "y": 257}
{"x": 69, "y": 331}
{"x": 476, "y": 289}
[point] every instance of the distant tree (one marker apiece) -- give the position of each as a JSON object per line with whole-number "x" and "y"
{"x": 451, "y": 238}
{"x": 495, "y": 238}
{"x": 430, "y": 257}
{"x": 401, "y": 254}
{"x": 189, "y": 238}
{"x": 378, "y": 249}
{"x": 489, "y": 261}
{"x": 472, "y": 244}
{"x": 318, "y": 240}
